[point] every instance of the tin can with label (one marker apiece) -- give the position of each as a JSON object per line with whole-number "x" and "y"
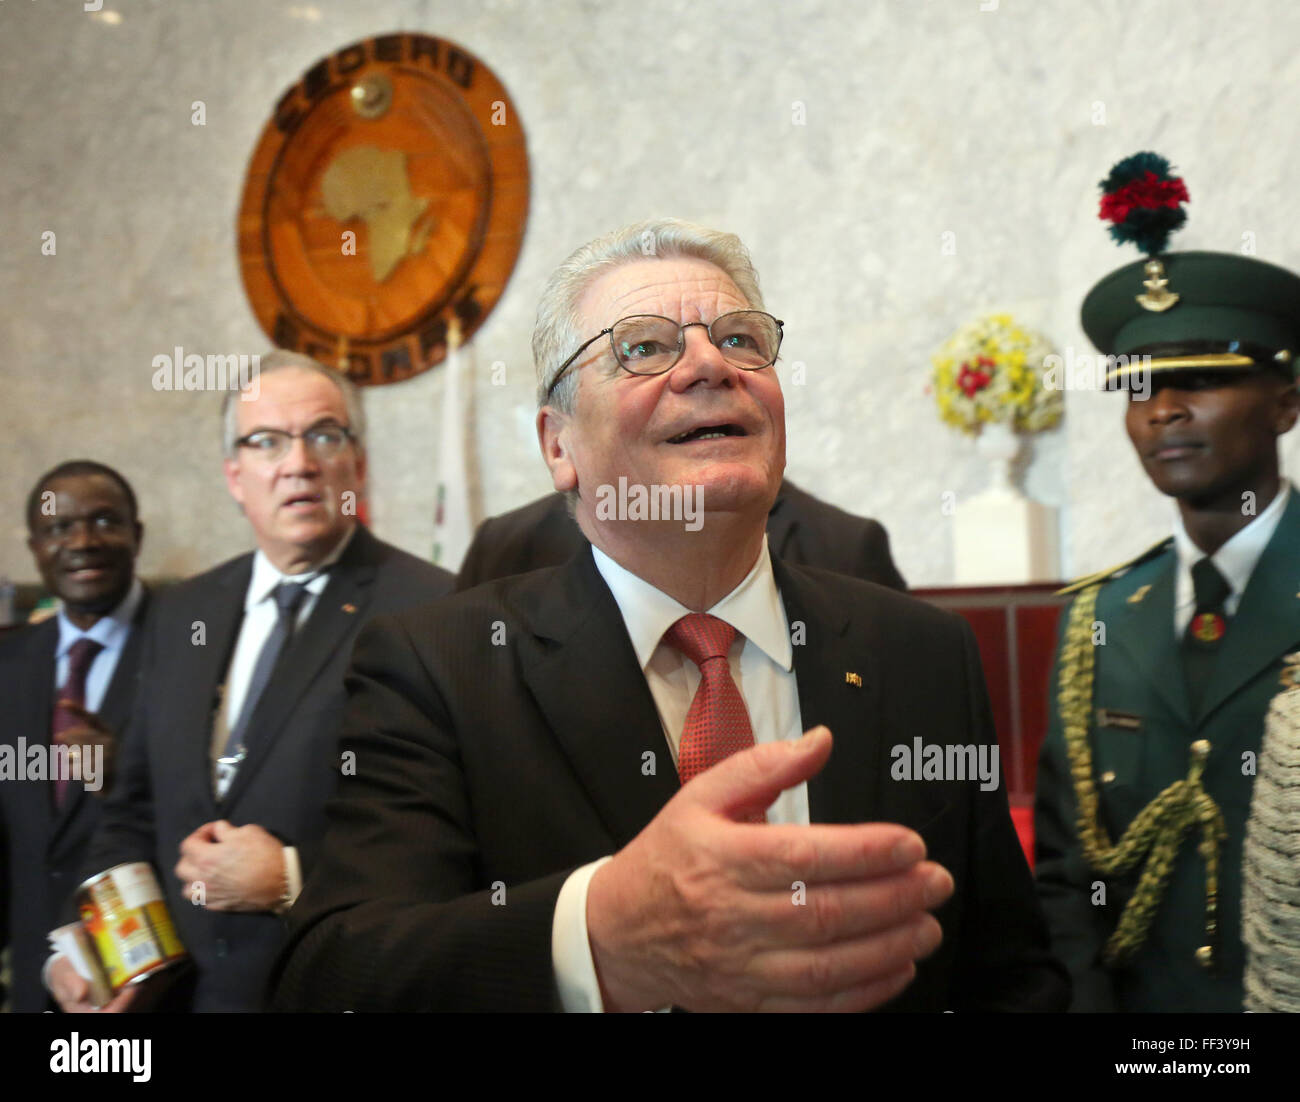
{"x": 128, "y": 924}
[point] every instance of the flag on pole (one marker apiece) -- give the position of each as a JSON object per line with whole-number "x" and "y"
{"x": 453, "y": 525}
{"x": 341, "y": 356}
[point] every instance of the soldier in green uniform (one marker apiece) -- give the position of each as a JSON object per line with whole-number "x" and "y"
{"x": 1166, "y": 664}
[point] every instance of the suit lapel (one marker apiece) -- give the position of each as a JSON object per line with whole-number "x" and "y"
{"x": 220, "y": 609}
{"x": 1145, "y": 632}
{"x": 33, "y": 716}
{"x": 1267, "y": 620}
{"x": 578, "y": 630}
{"x": 337, "y": 611}
{"x": 34, "y": 686}
{"x": 115, "y": 708}
{"x": 578, "y": 642}
{"x": 825, "y": 667}
{"x": 42, "y": 667}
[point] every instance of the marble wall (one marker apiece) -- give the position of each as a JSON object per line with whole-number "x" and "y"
{"x": 841, "y": 140}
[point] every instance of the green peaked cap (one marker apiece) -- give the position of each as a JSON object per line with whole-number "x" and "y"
{"x": 1197, "y": 311}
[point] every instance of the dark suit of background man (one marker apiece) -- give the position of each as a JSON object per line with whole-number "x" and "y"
{"x": 517, "y": 837}
{"x": 71, "y": 679}
{"x": 222, "y": 786}
{"x": 1165, "y": 720}
{"x": 800, "y": 529}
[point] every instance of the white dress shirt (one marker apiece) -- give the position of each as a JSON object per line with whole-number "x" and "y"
{"x": 762, "y": 665}
{"x": 111, "y": 632}
{"x": 1235, "y": 560}
{"x": 260, "y": 616}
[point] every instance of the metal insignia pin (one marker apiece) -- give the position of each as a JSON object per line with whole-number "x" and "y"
{"x": 851, "y": 678}
{"x": 349, "y": 608}
{"x": 1158, "y": 298}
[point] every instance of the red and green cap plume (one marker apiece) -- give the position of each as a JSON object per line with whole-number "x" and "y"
{"x": 1144, "y": 201}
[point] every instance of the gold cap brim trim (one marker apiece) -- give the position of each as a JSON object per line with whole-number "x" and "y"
{"x": 1175, "y": 363}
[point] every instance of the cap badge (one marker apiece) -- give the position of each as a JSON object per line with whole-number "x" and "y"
{"x": 1158, "y": 298}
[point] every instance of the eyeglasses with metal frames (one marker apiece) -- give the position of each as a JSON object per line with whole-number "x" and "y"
{"x": 324, "y": 440}
{"x": 650, "y": 344}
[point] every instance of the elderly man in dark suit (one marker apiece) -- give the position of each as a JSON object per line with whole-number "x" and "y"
{"x": 800, "y": 529}
{"x": 66, "y": 683}
{"x": 232, "y": 749}
{"x": 566, "y": 772}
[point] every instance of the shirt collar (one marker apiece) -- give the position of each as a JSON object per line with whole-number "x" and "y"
{"x": 753, "y": 608}
{"x": 1237, "y": 558}
{"x": 109, "y": 630}
{"x": 266, "y": 577}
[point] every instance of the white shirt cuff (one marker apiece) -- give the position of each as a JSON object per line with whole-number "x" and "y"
{"x": 45, "y": 972}
{"x": 575, "y": 970}
{"x": 292, "y": 873}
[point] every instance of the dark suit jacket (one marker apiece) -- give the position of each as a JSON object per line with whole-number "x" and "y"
{"x": 801, "y": 529}
{"x": 164, "y": 787}
{"x": 1139, "y": 679}
{"x": 516, "y": 763}
{"x": 41, "y": 848}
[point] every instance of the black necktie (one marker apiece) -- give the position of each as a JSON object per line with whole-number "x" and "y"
{"x": 1202, "y": 637}
{"x": 288, "y": 598}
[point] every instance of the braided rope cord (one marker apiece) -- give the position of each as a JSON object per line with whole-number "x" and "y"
{"x": 1270, "y": 896}
{"x": 1159, "y": 829}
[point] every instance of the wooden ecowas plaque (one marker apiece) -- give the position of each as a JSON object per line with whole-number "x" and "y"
{"x": 388, "y": 192}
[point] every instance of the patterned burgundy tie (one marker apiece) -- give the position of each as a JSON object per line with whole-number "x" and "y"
{"x": 80, "y": 655}
{"x": 717, "y": 724}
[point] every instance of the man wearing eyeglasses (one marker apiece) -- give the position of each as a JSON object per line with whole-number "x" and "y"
{"x": 66, "y": 684}
{"x": 232, "y": 750}
{"x": 586, "y": 787}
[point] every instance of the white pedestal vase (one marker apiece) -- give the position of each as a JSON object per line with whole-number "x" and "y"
{"x": 1000, "y": 536}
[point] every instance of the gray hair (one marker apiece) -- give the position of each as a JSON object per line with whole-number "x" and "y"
{"x": 556, "y": 334}
{"x": 278, "y": 360}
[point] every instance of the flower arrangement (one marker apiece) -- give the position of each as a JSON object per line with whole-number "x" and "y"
{"x": 991, "y": 370}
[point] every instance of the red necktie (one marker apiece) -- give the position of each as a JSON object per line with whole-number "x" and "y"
{"x": 717, "y": 724}
{"x": 80, "y": 655}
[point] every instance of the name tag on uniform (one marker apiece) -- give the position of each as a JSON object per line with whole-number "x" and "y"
{"x": 1123, "y": 721}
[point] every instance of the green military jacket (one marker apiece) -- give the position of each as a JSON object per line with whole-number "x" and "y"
{"x": 1141, "y": 729}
